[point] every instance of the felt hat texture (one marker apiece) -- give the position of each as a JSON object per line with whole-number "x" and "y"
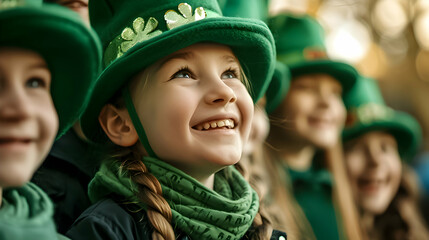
{"x": 300, "y": 45}
{"x": 137, "y": 33}
{"x": 278, "y": 88}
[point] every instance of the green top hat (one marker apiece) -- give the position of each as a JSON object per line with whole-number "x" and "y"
{"x": 136, "y": 33}
{"x": 278, "y": 87}
{"x": 300, "y": 45}
{"x": 71, "y": 50}
{"x": 366, "y": 111}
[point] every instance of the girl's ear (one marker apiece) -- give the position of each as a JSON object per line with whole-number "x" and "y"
{"x": 118, "y": 126}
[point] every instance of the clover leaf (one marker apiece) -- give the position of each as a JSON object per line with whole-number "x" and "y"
{"x": 139, "y": 33}
{"x": 173, "y": 19}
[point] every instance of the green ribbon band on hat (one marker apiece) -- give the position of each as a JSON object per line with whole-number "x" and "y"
{"x": 224, "y": 212}
{"x": 136, "y": 121}
{"x": 143, "y": 30}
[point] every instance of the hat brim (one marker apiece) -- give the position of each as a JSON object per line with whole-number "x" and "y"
{"x": 250, "y": 40}
{"x": 278, "y": 88}
{"x": 344, "y": 73}
{"x": 71, "y": 50}
{"x": 404, "y": 128}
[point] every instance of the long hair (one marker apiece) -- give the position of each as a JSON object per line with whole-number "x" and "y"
{"x": 283, "y": 199}
{"x": 345, "y": 206}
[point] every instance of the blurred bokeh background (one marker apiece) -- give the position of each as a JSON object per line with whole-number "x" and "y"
{"x": 384, "y": 39}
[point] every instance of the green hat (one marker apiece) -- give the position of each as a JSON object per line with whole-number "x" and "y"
{"x": 256, "y": 9}
{"x": 366, "y": 111}
{"x": 137, "y": 33}
{"x": 300, "y": 45}
{"x": 278, "y": 87}
{"x": 71, "y": 50}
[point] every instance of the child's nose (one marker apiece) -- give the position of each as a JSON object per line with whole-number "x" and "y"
{"x": 14, "y": 104}
{"x": 220, "y": 93}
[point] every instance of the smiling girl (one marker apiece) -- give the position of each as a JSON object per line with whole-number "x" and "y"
{"x": 39, "y": 101}
{"x": 306, "y": 123}
{"x": 376, "y": 138}
{"x": 173, "y": 110}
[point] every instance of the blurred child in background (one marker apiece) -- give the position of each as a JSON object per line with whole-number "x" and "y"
{"x": 307, "y": 124}
{"x": 377, "y": 139}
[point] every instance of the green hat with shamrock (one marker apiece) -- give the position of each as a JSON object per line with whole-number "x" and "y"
{"x": 278, "y": 87}
{"x": 300, "y": 45}
{"x": 366, "y": 112}
{"x": 71, "y": 50}
{"x": 137, "y": 33}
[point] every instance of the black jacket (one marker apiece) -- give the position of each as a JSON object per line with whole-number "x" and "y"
{"x": 64, "y": 176}
{"x": 108, "y": 220}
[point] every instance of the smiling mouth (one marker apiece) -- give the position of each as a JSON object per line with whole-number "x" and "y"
{"x": 370, "y": 185}
{"x": 14, "y": 143}
{"x": 14, "y": 140}
{"x": 217, "y": 124}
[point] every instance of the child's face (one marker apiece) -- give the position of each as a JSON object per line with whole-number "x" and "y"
{"x": 314, "y": 110}
{"x": 195, "y": 109}
{"x": 374, "y": 169}
{"x": 28, "y": 119}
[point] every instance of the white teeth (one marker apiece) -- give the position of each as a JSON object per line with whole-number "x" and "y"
{"x": 221, "y": 124}
{"x": 228, "y": 123}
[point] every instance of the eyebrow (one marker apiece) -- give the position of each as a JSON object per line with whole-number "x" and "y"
{"x": 230, "y": 59}
{"x": 182, "y": 55}
{"x": 38, "y": 65}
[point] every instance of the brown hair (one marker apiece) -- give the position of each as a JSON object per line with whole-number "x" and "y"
{"x": 347, "y": 213}
{"x": 283, "y": 199}
{"x": 281, "y": 204}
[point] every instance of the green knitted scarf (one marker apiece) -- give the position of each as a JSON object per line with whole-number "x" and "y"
{"x": 26, "y": 213}
{"x": 226, "y": 212}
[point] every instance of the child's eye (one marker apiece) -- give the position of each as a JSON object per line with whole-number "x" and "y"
{"x": 230, "y": 74}
{"x": 182, "y": 73}
{"x": 35, "y": 83}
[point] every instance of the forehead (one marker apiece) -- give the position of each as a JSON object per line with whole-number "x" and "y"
{"x": 11, "y": 57}
{"x": 203, "y": 50}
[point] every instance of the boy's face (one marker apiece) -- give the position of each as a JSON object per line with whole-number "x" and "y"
{"x": 195, "y": 109}
{"x": 314, "y": 110}
{"x": 28, "y": 119}
{"x": 374, "y": 169}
